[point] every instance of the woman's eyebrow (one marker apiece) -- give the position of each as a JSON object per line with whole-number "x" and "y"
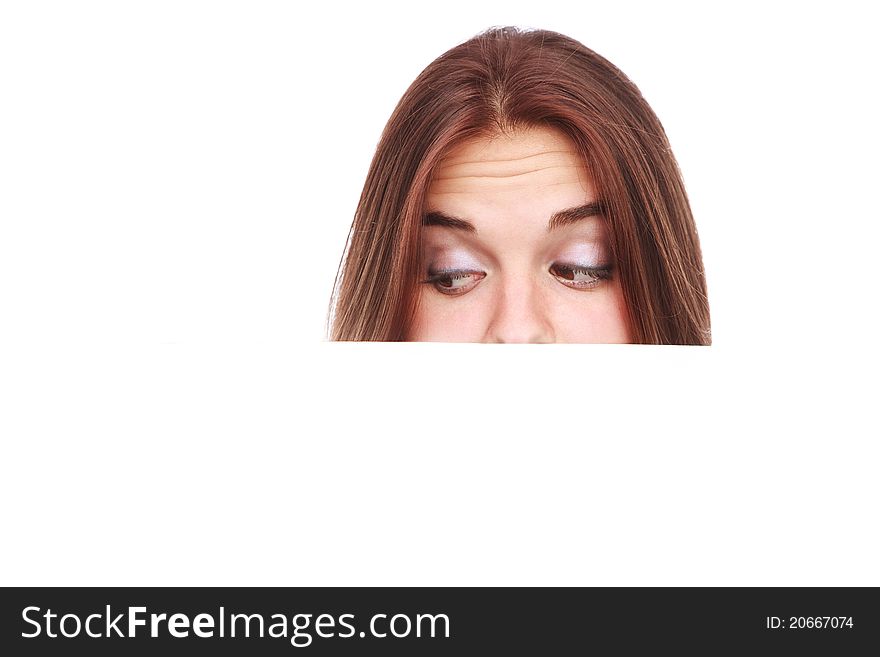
{"x": 571, "y": 215}
{"x": 562, "y": 218}
{"x": 437, "y": 218}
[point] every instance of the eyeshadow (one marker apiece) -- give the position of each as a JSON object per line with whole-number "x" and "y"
{"x": 446, "y": 256}
{"x": 584, "y": 253}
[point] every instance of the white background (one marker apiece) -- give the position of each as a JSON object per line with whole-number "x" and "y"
{"x": 177, "y": 180}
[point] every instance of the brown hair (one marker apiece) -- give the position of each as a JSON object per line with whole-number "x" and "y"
{"x": 498, "y": 81}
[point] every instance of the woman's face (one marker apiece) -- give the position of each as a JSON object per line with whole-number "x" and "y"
{"x": 513, "y": 249}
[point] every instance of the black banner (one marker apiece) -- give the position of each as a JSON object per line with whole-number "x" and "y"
{"x": 438, "y": 621}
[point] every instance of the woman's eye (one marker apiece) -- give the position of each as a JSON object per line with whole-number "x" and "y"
{"x": 580, "y": 277}
{"x": 455, "y": 282}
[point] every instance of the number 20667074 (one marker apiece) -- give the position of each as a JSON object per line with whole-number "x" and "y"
{"x": 809, "y": 623}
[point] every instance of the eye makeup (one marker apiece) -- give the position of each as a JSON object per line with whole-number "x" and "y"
{"x": 578, "y": 259}
{"x": 580, "y": 277}
{"x": 452, "y": 271}
{"x": 455, "y": 281}
{"x": 582, "y": 264}
{"x": 585, "y": 254}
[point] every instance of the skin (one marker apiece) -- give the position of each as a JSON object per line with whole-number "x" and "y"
{"x": 514, "y": 277}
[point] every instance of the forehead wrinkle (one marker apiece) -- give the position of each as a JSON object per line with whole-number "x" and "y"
{"x": 509, "y": 175}
{"x": 451, "y": 160}
{"x": 483, "y": 185}
{"x": 510, "y": 185}
{"x": 504, "y": 167}
{"x": 532, "y": 158}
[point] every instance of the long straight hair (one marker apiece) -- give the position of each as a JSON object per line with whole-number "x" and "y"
{"x": 501, "y": 80}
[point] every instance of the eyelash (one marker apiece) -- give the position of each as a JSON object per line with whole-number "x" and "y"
{"x": 434, "y": 278}
{"x": 596, "y": 274}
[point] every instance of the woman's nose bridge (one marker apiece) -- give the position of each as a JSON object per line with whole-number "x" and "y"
{"x": 520, "y": 312}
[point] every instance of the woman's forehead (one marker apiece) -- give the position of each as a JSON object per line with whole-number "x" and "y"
{"x": 517, "y": 162}
{"x": 511, "y": 182}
